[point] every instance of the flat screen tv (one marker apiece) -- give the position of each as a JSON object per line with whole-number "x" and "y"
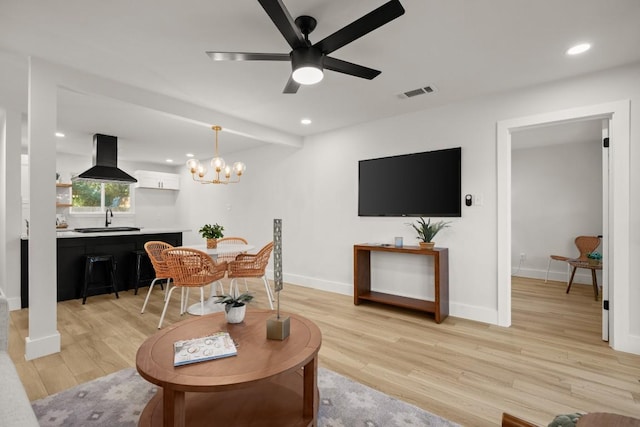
{"x": 420, "y": 184}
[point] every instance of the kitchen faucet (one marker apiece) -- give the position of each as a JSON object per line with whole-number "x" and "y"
{"x": 107, "y": 221}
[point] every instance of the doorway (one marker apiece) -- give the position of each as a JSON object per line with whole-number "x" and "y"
{"x": 618, "y": 218}
{"x": 558, "y": 193}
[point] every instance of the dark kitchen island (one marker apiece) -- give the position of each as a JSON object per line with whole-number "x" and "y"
{"x": 72, "y": 248}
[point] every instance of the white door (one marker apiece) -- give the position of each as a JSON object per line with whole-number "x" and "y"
{"x": 605, "y": 230}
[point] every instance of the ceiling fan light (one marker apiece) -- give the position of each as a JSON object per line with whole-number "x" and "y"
{"x": 307, "y": 75}
{"x": 306, "y": 63}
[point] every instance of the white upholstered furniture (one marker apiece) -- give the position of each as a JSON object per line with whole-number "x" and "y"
{"x": 15, "y": 408}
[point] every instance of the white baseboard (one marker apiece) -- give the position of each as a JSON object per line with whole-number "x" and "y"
{"x": 15, "y": 303}
{"x": 628, "y": 344}
{"x": 472, "y": 312}
{"x": 315, "y": 283}
{"x": 463, "y": 311}
{"x": 582, "y": 275}
{"x": 43, "y": 346}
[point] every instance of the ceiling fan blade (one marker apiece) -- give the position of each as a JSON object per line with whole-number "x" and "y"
{"x": 248, "y": 56}
{"x": 345, "y": 67}
{"x": 291, "y": 86}
{"x": 358, "y": 28}
{"x": 283, "y": 20}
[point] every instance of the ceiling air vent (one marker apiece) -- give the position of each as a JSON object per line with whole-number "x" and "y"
{"x": 416, "y": 92}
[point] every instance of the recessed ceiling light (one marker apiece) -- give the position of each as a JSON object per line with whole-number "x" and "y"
{"x": 189, "y": 154}
{"x": 305, "y": 121}
{"x": 60, "y": 134}
{"x": 169, "y": 160}
{"x": 578, "y": 49}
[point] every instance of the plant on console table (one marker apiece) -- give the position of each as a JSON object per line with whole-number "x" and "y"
{"x": 211, "y": 233}
{"x": 235, "y": 306}
{"x": 427, "y": 230}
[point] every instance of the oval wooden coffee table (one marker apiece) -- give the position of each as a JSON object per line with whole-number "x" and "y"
{"x": 269, "y": 382}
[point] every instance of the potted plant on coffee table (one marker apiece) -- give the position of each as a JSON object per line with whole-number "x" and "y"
{"x": 211, "y": 233}
{"x": 235, "y": 306}
{"x": 427, "y": 231}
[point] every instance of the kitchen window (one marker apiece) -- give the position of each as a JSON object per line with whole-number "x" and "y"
{"x": 96, "y": 197}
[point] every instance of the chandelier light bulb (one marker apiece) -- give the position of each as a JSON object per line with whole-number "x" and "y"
{"x": 202, "y": 171}
{"x": 193, "y": 164}
{"x": 239, "y": 168}
{"x": 218, "y": 164}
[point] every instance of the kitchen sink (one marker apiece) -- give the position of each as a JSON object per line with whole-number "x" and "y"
{"x": 105, "y": 229}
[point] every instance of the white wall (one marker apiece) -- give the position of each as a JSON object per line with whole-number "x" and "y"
{"x": 314, "y": 189}
{"x": 556, "y": 195}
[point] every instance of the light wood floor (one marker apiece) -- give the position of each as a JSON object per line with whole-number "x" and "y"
{"x": 551, "y": 361}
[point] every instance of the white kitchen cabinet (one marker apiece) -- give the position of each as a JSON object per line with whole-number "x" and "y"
{"x": 157, "y": 180}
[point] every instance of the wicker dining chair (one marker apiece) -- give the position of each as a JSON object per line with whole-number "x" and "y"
{"x": 190, "y": 268}
{"x": 251, "y": 265}
{"x": 154, "y": 249}
{"x": 230, "y": 256}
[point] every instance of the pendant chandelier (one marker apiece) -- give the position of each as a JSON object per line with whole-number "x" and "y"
{"x": 222, "y": 171}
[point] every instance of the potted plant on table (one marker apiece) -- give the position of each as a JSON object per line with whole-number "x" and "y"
{"x": 235, "y": 306}
{"x": 211, "y": 233}
{"x": 427, "y": 231}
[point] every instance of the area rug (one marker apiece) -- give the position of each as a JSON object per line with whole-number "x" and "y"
{"x": 117, "y": 400}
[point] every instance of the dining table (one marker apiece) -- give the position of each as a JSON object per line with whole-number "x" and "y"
{"x": 210, "y": 305}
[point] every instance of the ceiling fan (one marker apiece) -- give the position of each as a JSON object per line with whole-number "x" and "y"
{"x": 308, "y": 60}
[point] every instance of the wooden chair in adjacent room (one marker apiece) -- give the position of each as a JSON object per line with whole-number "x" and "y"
{"x": 154, "y": 249}
{"x": 190, "y": 268}
{"x": 584, "y": 244}
{"x": 251, "y": 265}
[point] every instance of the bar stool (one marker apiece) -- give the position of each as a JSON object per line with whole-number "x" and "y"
{"x": 110, "y": 269}
{"x": 143, "y": 272}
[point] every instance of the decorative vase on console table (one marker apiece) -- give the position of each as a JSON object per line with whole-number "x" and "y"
{"x": 427, "y": 245}
{"x": 212, "y": 243}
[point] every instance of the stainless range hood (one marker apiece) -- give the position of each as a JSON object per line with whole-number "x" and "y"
{"x": 105, "y": 160}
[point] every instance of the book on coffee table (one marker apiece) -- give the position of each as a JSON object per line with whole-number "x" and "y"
{"x": 211, "y": 347}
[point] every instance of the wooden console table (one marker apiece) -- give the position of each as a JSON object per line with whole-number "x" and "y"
{"x": 362, "y": 279}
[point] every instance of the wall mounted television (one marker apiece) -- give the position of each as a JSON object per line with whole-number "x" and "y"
{"x": 424, "y": 184}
